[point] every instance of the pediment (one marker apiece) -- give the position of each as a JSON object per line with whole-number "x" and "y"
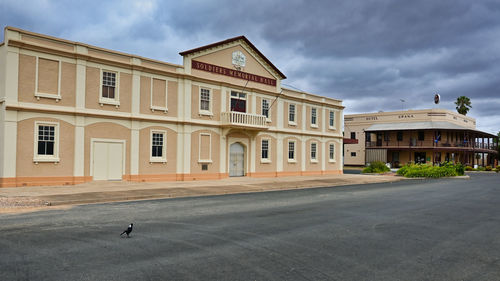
{"x": 236, "y": 56}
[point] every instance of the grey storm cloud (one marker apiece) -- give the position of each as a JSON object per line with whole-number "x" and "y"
{"x": 369, "y": 53}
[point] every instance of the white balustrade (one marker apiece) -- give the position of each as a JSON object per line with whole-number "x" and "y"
{"x": 244, "y": 120}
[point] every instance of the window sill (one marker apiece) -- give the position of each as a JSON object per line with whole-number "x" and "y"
{"x": 159, "y": 108}
{"x": 48, "y": 96}
{"x": 103, "y": 101}
{"x": 314, "y": 161}
{"x": 205, "y": 161}
{"x": 265, "y": 161}
{"x": 292, "y": 161}
{"x": 205, "y": 113}
{"x": 331, "y": 128}
{"x": 163, "y": 161}
{"x": 314, "y": 126}
{"x": 292, "y": 123}
{"x": 332, "y": 161}
{"x": 54, "y": 160}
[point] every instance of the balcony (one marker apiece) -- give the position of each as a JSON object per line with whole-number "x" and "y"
{"x": 430, "y": 144}
{"x": 244, "y": 120}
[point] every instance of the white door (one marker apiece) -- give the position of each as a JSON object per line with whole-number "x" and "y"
{"x": 236, "y": 160}
{"x": 108, "y": 161}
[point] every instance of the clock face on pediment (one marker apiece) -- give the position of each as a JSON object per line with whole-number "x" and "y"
{"x": 239, "y": 59}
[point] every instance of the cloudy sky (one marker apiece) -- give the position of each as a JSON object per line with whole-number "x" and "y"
{"x": 368, "y": 53}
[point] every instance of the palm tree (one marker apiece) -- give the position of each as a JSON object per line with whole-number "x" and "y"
{"x": 463, "y": 105}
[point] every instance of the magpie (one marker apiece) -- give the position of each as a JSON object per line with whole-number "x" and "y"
{"x": 128, "y": 230}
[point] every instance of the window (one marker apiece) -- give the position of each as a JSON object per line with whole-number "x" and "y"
{"x": 265, "y": 149}
{"x": 265, "y": 108}
{"x": 291, "y": 150}
{"x": 158, "y": 146}
{"x": 332, "y": 152}
{"x": 313, "y": 151}
{"x": 332, "y": 119}
{"x": 353, "y": 135}
{"x": 109, "y": 93}
{"x": 291, "y": 113}
{"x": 238, "y": 102}
{"x": 108, "y": 84}
{"x": 386, "y": 136}
{"x": 46, "y": 142}
{"x": 313, "y": 116}
{"x": 204, "y": 99}
{"x": 421, "y": 135}
{"x": 400, "y": 136}
{"x": 368, "y": 137}
{"x": 353, "y": 154}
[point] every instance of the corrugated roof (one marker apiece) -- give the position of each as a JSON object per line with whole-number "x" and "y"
{"x": 428, "y": 125}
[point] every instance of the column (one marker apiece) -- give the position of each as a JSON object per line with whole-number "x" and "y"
{"x": 8, "y": 147}
{"x": 134, "y": 149}
{"x": 279, "y": 152}
{"x": 79, "y": 157}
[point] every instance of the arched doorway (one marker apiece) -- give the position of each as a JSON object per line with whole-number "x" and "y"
{"x": 236, "y": 160}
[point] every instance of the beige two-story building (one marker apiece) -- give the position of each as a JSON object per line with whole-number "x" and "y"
{"x": 71, "y": 113}
{"x": 417, "y": 136}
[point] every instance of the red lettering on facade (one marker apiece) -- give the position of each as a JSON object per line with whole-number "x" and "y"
{"x": 232, "y": 73}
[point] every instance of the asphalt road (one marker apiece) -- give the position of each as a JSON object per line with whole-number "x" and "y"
{"x": 447, "y": 229}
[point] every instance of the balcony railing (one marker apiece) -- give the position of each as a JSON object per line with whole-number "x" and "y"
{"x": 430, "y": 143}
{"x": 245, "y": 120}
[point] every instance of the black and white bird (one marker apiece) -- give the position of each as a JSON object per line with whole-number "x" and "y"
{"x": 128, "y": 230}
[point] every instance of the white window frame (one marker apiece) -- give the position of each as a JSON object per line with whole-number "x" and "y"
{"x": 268, "y": 118}
{"x": 210, "y": 102}
{"x": 239, "y": 96}
{"x": 330, "y": 111}
{"x": 268, "y": 159}
{"x": 209, "y": 160}
{"x": 315, "y": 110}
{"x": 46, "y": 158}
{"x": 162, "y": 159}
{"x": 116, "y": 100}
{"x": 315, "y": 159}
{"x": 293, "y": 123}
{"x": 294, "y": 159}
{"x": 330, "y": 159}
{"x": 156, "y": 107}
{"x": 38, "y": 94}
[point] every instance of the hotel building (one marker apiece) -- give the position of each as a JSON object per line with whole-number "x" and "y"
{"x": 72, "y": 113}
{"x": 419, "y": 136}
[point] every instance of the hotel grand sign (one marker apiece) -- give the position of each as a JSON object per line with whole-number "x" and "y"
{"x": 232, "y": 73}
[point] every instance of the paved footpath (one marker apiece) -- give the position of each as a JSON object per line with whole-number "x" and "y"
{"x": 21, "y": 199}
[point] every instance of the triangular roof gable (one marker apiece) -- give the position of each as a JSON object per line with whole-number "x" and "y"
{"x": 227, "y": 41}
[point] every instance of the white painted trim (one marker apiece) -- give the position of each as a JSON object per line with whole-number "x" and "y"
{"x": 330, "y": 160}
{"x": 162, "y": 159}
{"x": 204, "y": 112}
{"x": 124, "y": 151}
{"x": 294, "y": 159}
{"x": 46, "y": 158}
{"x": 116, "y": 100}
{"x": 313, "y": 160}
{"x": 294, "y": 122}
{"x": 314, "y": 125}
{"x": 159, "y": 107}
{"x": 268, "y": 159}
{"x": 38, "y": 94}
{"x": 209, "y": 160}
